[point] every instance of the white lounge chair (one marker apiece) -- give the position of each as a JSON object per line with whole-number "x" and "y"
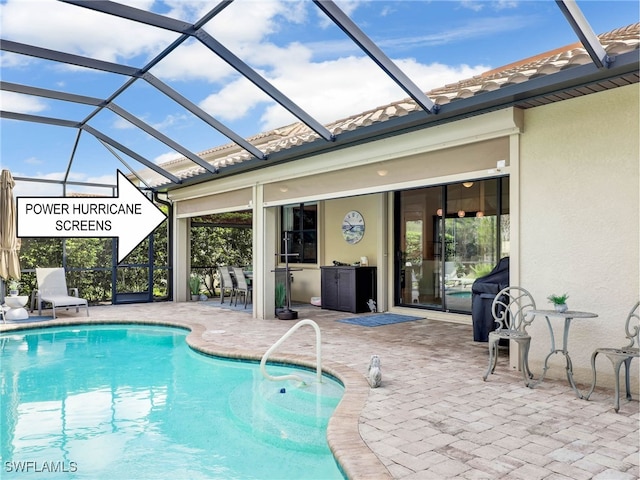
{"x": 52, "y": 288}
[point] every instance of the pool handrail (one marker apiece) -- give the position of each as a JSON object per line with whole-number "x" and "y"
{"x": 287, "y": 334}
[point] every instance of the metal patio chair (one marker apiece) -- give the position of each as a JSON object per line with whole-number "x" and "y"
{"x": 621, "y": 355}
{"x": 510, "y": 310}
{"x": 242, "y": 287}
{"x": 226, "y": 284}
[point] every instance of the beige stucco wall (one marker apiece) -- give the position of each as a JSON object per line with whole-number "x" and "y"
{"x": 574, "y": 168}
{"x": 335, "y": 247}
{"x": 341, "y": 180}
{"x": 579, "y": 230}
{"x": 307, "y": 283}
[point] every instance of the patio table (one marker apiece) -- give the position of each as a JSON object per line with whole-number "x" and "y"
{"x": 567, "y": 316}
{"x": 16, "y": 305}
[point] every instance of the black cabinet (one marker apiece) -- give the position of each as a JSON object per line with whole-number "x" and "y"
{"x": 348, "y": 289}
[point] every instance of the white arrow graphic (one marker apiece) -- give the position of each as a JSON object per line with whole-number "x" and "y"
{"x": 129, "y": 216}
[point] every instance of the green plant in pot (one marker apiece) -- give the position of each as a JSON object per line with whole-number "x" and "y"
{"x": 194, "y": 286}
{"x": 14, "y": 287}
{"x": 559, "y": 302}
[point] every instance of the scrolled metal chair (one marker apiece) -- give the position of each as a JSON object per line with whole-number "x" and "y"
{"x": 621, "y": 355}
{"x": 510, "y": 310}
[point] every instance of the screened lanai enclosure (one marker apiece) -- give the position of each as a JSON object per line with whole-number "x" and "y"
{"x": 91, "y": 266}
{"x": 448, "y": 235}
{"x": 219, "y": 240}
{"x": 145, "y": 274}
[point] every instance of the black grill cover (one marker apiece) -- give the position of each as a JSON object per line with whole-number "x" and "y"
{"x": 483, "y": 291}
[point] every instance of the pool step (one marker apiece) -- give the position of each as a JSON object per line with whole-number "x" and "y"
{"x": 285, "y": 415}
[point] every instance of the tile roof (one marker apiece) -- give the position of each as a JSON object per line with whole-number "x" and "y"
{"x": 616, "y": 42}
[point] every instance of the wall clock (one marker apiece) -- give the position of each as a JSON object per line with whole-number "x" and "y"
{"x": 353, "y": 227}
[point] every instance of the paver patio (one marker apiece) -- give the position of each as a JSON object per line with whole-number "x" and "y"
{"x": 433, "y": 417}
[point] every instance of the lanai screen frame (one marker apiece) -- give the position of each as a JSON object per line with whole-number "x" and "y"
{"x": 186, "y": 30}
{"x": 602, "y": 67}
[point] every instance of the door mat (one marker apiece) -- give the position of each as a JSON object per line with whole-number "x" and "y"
{"x": 379, "y": 319}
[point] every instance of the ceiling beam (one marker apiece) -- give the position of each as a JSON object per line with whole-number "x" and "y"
{"x": 376, "y": 54}
{"x": 71, "y": 157}
{"x": 54, "y": 94}
{"x": 136, "y": 73}
{"x": 25, "y": 117}
{"x": 99, "y": 135}
{"x": 153, "y": 19}
{"x": 198, "y": 112}
{"x": 161, "y": 137}
{"x": 259, "y": 81}
{"x": 61, "y": 57}
{"x": 585, "y": 33}
{"x": 127, "y": 151}
{"x": 69, "y": 97}
{"x": 135, "y": 14}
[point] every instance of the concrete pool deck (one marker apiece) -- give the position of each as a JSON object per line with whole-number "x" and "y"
{"x": 433, "y": 417}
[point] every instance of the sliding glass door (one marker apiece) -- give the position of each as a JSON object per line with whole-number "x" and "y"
{"x": 446, "y": 237}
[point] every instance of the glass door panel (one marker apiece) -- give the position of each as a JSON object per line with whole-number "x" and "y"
{"x": 471, "y": 239}
{"x": 448, "y": 236}
{"x": 419, "y": 251}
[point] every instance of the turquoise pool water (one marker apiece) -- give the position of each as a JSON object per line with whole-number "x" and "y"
{"x": 459, "y": 294}
{"x": 135, "y": 402}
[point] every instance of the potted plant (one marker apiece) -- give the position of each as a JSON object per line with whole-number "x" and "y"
{"x": 559, "y": 302}
{"x": 14, "y": 286}
{"x": 194, "y": 287}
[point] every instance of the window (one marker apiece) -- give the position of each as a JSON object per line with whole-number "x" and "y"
{"x": 300, "y": 227}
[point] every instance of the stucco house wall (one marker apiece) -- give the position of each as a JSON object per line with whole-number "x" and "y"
{"x": 579, "y": 227}
{"x": 574, "y": 209}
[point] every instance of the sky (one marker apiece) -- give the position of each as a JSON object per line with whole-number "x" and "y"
{"x": 290, "y": 42}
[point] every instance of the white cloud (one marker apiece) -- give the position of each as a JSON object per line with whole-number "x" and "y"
{"x": 33, "y": 161}
{"x": 166, "y": 157}
{"x": 339, "y": 88}
{"x": 120, "y": 123}
{"x": 477, "y": 5}
{"x": 474, "y": 5}
{"x": 192, "y": 61}
{"x": 170, "y": 121}
{"x": 72, "y": 29}
{"x": 16, "y": 102}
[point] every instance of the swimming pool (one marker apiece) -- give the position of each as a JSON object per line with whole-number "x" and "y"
{"x": 136, "y": 402}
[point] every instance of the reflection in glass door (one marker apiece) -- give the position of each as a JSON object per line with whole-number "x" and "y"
{"x": 448, "y": 236}
{"x": 418, "y": 254}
